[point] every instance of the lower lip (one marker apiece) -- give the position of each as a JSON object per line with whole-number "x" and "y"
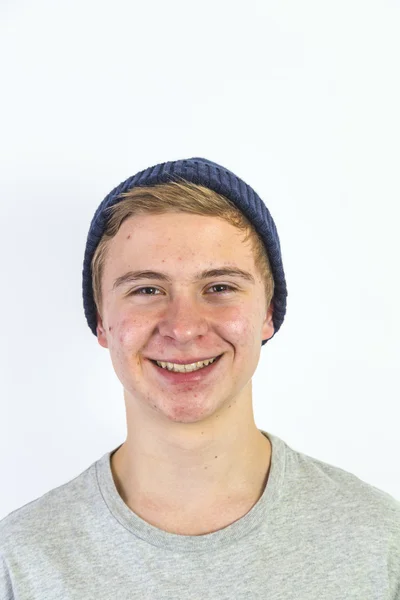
{"x": 194, "y": 376}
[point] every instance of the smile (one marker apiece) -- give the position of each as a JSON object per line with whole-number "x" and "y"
{"x": 185, "y": 368}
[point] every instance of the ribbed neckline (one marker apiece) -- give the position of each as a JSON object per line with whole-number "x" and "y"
{"x": 258, "y": 515}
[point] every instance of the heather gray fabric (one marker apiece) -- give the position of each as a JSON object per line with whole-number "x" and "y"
{"x": 317, "y": 533}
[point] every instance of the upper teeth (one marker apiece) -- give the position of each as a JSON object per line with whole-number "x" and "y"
{"x": 185, "y": 368}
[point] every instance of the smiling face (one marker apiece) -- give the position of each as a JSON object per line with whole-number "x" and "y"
{"x": 183, "y": 318}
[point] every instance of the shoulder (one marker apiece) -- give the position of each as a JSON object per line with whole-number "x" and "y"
{"x": 332, "y": 488}
{"x": 57, "y": 508}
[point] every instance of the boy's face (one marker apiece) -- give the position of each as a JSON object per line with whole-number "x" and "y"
{"x": 183, "y": 318}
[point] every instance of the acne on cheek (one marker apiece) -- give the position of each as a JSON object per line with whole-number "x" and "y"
{"x": 126, "y": 331}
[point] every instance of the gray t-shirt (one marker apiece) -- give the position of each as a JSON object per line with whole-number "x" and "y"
{"x": 317, "y": 533}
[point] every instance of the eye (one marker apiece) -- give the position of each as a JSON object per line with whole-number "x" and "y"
{"x": 217, "y": 285}
{"x": 136, "y": 292}
{"x": 223, "y": 285}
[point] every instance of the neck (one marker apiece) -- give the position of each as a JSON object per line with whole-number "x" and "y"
{"x": 192, "y": 475}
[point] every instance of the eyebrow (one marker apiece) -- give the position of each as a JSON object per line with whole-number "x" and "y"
{"x": 131, "y": 276}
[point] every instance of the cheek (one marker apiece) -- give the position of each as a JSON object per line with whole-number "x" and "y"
{"x": 125, "y": 332}
{"x": 239, "y": 325}
{"x": 243, "y": 325}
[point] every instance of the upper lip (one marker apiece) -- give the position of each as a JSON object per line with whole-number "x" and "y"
{"x": 187, "y": 361}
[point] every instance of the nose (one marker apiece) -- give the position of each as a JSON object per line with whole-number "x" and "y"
{"x": 184, "y": 319}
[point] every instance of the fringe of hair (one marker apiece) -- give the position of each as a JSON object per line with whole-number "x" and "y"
{"x": 178, "y": 196}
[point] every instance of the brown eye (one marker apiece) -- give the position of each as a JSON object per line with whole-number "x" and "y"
{"x": 223, "y": 285}
{"x": 138, "y": 292}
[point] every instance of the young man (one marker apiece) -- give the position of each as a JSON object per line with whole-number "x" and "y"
{"x": 197, "y": 502}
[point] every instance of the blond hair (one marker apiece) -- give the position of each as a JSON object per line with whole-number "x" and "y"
{"x": 171, "y": 197}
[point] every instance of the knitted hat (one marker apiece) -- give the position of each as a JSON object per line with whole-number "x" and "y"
{"x": 215, "y": 177}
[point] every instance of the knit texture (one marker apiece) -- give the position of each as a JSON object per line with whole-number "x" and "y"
{"x": 215, "y": 177}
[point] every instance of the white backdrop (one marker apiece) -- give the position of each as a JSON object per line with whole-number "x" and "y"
{"x": 301, "y": 100}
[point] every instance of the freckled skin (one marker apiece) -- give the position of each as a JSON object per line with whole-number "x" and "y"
{"x": 177, "y": 431}
{"x": 184, "y": 322}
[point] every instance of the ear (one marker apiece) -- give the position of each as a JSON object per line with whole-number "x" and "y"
{"x": 101, "y": 334}
{"x": 268, "y": 325}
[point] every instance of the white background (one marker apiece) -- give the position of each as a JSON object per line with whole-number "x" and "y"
{"x": 301, "y": 100}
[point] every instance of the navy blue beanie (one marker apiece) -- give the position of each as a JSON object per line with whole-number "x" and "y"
{"x": 215, "y": 177}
